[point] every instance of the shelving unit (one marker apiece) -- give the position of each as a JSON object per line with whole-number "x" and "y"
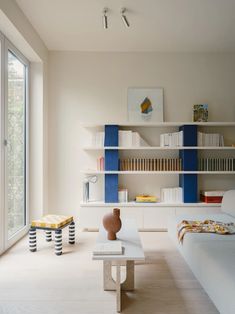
{"x": 157, "y": 124}
{"x": 156, "y": 172}
{"x": 154, "y": 216}
{"x": 160, "y": 148}
{"x": 159, "y": 204}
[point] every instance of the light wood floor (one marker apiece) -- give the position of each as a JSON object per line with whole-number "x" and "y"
{"x": 33, "y": 283}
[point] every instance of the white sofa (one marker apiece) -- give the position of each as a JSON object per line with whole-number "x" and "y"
{"x": 211, "y": 257}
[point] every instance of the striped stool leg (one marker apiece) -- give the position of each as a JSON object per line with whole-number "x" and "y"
{"x": 48, "y": 235}
{"x": 32, "y": 240}
{"x": 58, "y": 242}
{"x": 72, "y": 233}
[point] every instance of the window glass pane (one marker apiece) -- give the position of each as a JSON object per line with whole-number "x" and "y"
{"x": 16, "y": 144}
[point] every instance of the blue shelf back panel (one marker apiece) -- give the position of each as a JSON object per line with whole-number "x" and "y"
{"x": 111, "y": 163}
{"x": 111, "y": 188}
{"x": 189, "y": 163}
{"x": 111, "y": 159}
{"x": 111, "y": 135}
{"x": 189, "y": 135}
{"x": 189, "y": 184}
{"x": 189, "y": 159}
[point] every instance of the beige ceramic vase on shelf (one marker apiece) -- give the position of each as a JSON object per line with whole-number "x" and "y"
{"x": 112, "y": 223}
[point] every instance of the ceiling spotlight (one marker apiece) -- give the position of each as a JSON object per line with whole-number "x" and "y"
{"x": 105, "y": 18}
{"x": 124, "y": 18}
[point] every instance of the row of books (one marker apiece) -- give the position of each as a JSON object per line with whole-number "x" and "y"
{"x": 125, "y": 139}
{"x": 210, "y": 139}
{"x": 216, "y": 164}
{"x": 172, "y": 195}
{"x": 133, "y": 139}
{"x": 144, "y": 164}
{"x": 171, "y": 139}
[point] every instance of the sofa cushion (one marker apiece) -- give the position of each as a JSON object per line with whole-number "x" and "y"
{"x": 215, "y": 265}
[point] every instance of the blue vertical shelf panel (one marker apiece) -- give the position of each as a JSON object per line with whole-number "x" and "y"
{"x": 188, "y": 182}
{"x": 111, "y": 188}
{"x": 111, "y": 163}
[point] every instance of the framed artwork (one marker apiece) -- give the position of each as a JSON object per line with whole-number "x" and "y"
{"x": 200, "y": 113}
{"x": 145, "y": 104}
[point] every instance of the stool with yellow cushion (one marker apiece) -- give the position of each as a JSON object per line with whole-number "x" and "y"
{"x": 51, "y": 223}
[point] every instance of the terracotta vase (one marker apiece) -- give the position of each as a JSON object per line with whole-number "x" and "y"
{"x": 112, "y": 223}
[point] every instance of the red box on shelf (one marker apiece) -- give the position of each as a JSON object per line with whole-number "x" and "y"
{"x": 211, "y": 199}
{"x": 211, "y": 196}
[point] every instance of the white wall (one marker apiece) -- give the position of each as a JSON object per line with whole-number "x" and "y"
{"x": 86, "y": 87}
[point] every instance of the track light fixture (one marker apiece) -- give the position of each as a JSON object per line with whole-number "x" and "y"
{"x": 105, "y": 18}
{"x": 124, "y": 18}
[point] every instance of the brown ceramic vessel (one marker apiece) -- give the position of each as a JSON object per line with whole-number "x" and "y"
{"x": 112, "y": 223}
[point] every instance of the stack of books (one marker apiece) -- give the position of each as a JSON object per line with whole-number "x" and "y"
{"x": 144, "y": 164}
{"x": 98, "y": 139}
{"x": 211, "y": 196}
{"x": 171, "y": 139}
{"x": 172, "y": 195}
{"x": 216, "y": 164}
{"x": 146, "y": 199}
{"x": 125, "y": 139}
{"x": 130, "y": 139}
{"x": 108, "y": 248}
{"x": 209, "y": 139}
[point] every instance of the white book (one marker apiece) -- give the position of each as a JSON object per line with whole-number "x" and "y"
{"x": 125, "y": 138}
{"x": 135, "y": 139}
{"x": 166, "y": 139}
{"x": 108, "y": 248}
{"x": 221, "y": 140}
{"x": 98, "y": 140}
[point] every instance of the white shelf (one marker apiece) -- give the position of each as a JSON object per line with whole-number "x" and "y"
{"x": 159, "y": 148}
{"x": 158, "y": 124}
{"x": 156, "y": 172}
{"x": 159, "y": 204}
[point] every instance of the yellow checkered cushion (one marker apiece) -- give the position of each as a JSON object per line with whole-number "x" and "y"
{"x": 52, "y": 221}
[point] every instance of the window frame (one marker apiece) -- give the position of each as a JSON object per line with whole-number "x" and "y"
{"x": 8, "y": 46}
{"x": 2, "y": 149}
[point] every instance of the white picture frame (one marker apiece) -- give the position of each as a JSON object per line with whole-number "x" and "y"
{"x": 145, "y": 104}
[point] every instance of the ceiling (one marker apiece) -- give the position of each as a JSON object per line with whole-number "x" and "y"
{"x": 156, "y": 25}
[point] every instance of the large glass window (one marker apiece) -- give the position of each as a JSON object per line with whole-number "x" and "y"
{"x": 16, "y": 144}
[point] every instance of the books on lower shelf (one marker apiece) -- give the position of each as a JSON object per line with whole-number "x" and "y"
{"x": 216, "y": 164}
{"x": 108, "y": 248}
{"x": 211, "y": 196}
{"x": 171, "y": 139}
{"x": 146, "y": 164}
{"x": 172, "y": 195}
{"x": 210, "y": 139}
